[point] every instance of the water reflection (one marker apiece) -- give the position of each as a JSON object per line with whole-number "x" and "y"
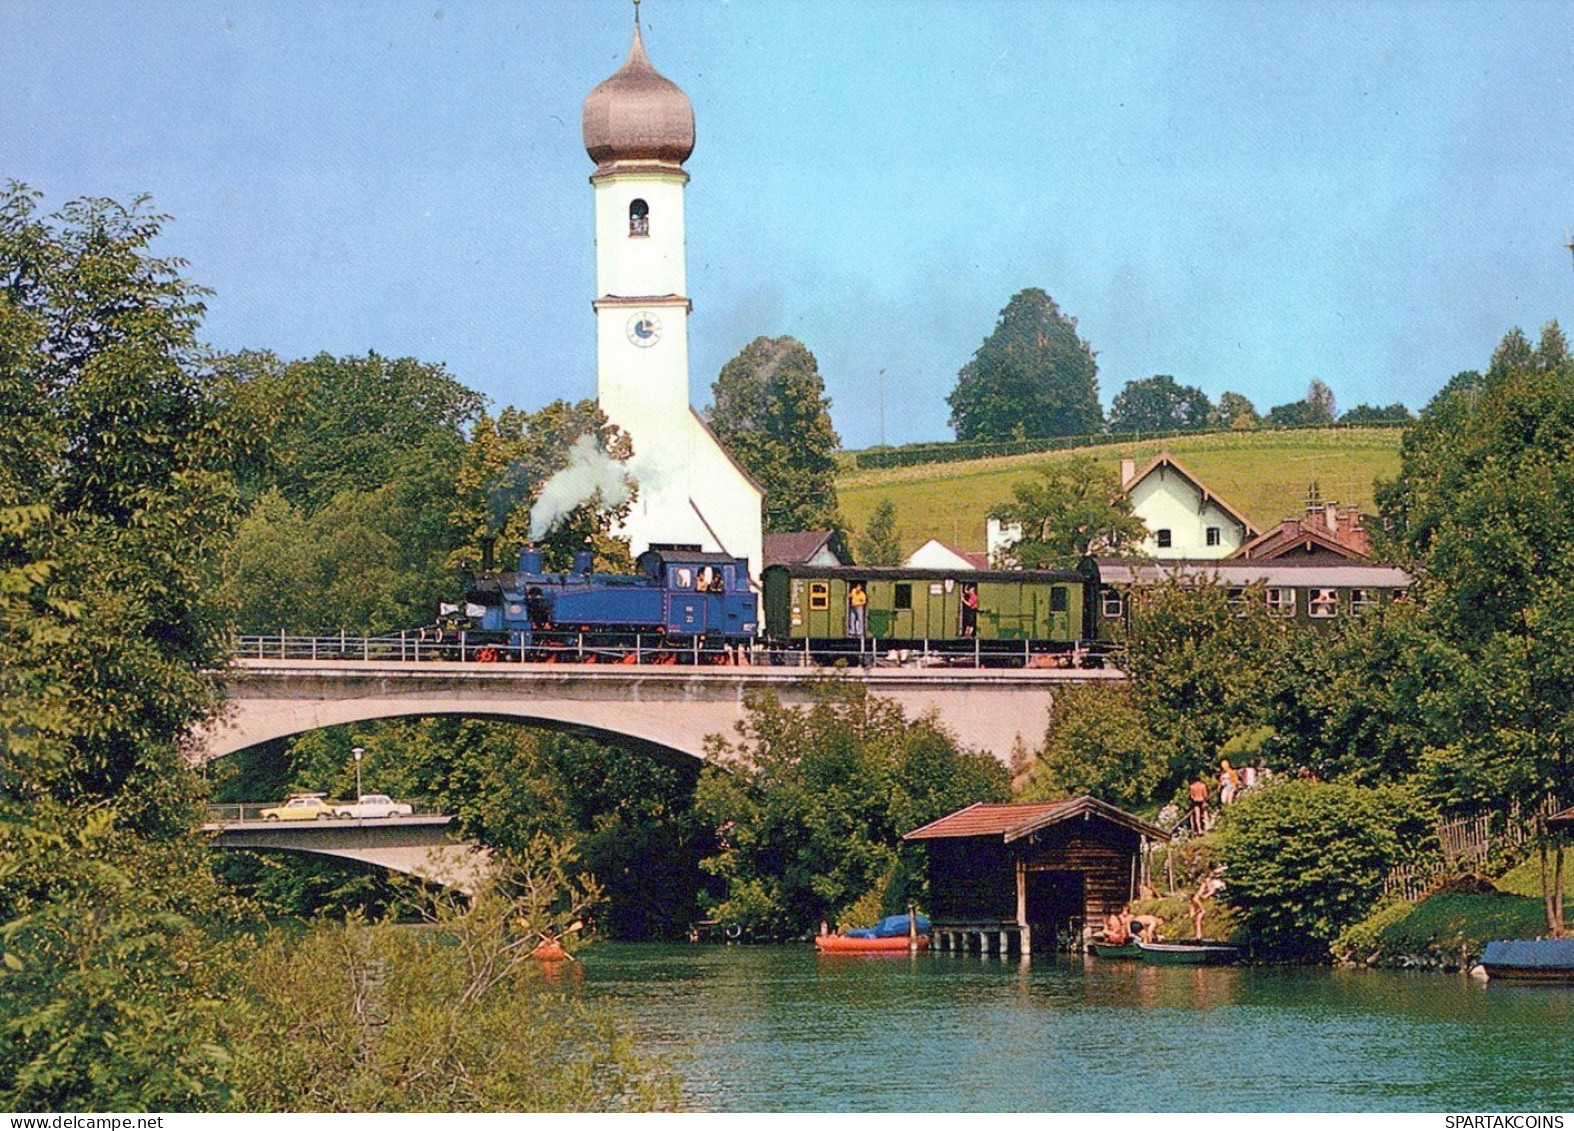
{"x": 780, "y": 1029}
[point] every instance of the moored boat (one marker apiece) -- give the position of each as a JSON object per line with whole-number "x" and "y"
{"x": 893, "y": 934}
{"x": 1186, "y": 952}
{"x": 1127, "y": 949}
{"x": 892, "y": 944}
{"x": 1529, "y": 960}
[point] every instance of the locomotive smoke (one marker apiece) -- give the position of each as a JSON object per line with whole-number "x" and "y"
{"x": 590, "y": 472}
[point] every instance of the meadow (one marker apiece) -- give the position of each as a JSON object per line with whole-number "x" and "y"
{"x": 1263, "y": 474}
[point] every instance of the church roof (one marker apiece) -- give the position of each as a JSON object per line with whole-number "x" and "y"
{"x": 638, "y": 115}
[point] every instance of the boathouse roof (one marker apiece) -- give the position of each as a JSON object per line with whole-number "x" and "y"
{"x": 1013, "y": 821}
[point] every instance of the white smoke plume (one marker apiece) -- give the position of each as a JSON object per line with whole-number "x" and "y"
{"x": 590, "y": 471}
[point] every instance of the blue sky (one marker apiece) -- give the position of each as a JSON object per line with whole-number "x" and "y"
{"x": 1246, "y": 196}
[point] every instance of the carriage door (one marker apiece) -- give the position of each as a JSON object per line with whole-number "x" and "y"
{"x": 685, "y": 606}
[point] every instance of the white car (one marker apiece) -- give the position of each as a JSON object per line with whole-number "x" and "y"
{"x": 373, "y": 805}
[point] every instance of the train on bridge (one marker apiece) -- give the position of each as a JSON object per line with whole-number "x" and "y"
{"x": 682, "y": 604}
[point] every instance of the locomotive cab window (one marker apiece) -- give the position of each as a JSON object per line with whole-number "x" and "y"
{"x": 902, "y": 595}
{"x": 639, "y": 218}
{"x": 1109, "y": 601}
{"x": 681, "y": 578}
{"x": 819, "y": 596}
{"x": 1059, "y": 599}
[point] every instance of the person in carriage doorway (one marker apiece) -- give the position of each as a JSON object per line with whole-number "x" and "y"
{"x": 857, "y": 604}
{"x": 969, "y": 609}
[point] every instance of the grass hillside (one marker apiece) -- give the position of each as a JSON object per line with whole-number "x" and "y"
{"x": 1262, "y": 474}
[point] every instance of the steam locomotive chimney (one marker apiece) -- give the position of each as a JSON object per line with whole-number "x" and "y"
{"x": 529, "y": 558}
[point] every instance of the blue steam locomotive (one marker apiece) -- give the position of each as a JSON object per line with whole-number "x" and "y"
{"x": 676, "y": 592}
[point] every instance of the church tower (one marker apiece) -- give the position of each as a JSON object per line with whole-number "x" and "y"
{"x": 638, "y": 128}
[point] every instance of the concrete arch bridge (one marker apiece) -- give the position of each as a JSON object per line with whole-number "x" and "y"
{"x": 671, "y": 708}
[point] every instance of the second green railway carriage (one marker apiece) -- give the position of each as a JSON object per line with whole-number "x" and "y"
{"x": 854, "y": 609}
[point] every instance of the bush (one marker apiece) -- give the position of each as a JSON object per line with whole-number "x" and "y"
{"x": 1305, "y": 859}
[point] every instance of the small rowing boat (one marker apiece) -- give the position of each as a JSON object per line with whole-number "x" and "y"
{"x": 1529, "y": 960}
{"x": 1185, "y": 952}
{"x": 1126, "y": 949}
{"x": 892, "y": 935}
{"x": 847, "y": 944}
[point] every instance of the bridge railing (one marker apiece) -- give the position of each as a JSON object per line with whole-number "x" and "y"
{"x": 592, "y": 648}
{"x": 550, "y": 647}
{"x": 234, "y": 813}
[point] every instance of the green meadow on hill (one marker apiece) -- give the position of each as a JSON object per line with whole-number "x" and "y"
{"x": 1264, "y": 475}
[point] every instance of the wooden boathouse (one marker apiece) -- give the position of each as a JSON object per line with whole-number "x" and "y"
{"x": 1003, "y": 876}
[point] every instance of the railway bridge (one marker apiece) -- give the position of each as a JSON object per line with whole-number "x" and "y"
{"x": 644, "y": 706}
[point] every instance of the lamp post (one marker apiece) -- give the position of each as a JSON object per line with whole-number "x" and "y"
{"x": 358, "y": 752}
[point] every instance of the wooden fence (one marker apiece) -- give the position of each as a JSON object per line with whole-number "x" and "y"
{"x": 1467, "y": 843}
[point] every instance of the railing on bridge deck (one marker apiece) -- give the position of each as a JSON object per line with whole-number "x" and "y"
{"x": 412, "y": 647}
{"x": 592, "y": 648}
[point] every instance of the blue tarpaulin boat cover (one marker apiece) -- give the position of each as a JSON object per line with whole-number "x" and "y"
{"x": 892, "y": 926}
{"x": 1530, "y": 954}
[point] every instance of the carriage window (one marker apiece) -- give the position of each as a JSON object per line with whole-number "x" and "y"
{"x": 639, "y": 218}
{"x": 1323, "y": 603}
{"x": 1281, "y": 602}
{"x": 1059, "y": 599}
{"x": 1110, "y": 602}
{"x": 1165, "y": 539}
{"x": 1361, "y": 600}
{"x": 819, "y": 595}
{"x": 902, "y": 596}
{"x": 1236, "y": 596}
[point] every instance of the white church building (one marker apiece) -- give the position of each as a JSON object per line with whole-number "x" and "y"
{"x": 638, "y": 127}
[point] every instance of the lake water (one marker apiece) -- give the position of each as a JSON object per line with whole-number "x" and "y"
{"x": 783, "y": 1029}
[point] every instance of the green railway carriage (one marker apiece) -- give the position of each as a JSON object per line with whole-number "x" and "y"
{"x": 1016, "y": 613}
{"x": 1314, "y": 593}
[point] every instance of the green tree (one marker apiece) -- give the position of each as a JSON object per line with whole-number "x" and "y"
{"x": 1075, "y": 509}
{"x": 1303, "y": 860}
{"x": 1158, "y": 404}
{"x": 1236, "y": 412}
{"x": 1316, "y": 410}
{"x": 115, "y": 497}
{"x": 354, "y": 423}
{"x": 1203, "y": 663}
{"x": 881, "y": 542}
{"x": 809, "y": 806}
{"x": 1395, "y": 413}
{"x": 1032, "y": 377}
{"x": 1484, "y": 509}
{"x": 1098, "y": 742}
{"x": 771, "y": 413}
{"x": 377, "y": 1017}
{"x": 509, "y": 460}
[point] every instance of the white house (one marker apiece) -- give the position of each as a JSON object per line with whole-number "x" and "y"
{"x": 1184, "y": 518}
{"x": 935, "y": 554}
{"x": 638, "y": 127}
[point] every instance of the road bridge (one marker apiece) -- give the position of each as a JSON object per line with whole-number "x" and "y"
{"x": 649, "y": 706}
{"x": 417, "y": 846}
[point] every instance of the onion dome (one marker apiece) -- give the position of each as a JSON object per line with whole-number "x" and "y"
{"x": 637, "y": 115}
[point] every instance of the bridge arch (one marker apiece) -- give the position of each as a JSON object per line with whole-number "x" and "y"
{"x": 672, "y": 709}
